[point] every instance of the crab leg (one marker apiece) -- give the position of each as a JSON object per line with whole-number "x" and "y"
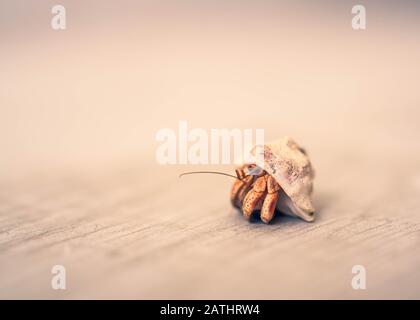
{"x": 270, "y": 201}
{"x": 244, "y": 191}
{"x": 254, "y": 196}
{"x": 237, "y": 185}
{"x": 239, "y": 190}
{"x": 240, "y": 187}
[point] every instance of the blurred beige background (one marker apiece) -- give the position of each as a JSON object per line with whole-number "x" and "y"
{"x": 97, "y": 92}
{"x": 79, "y": 110}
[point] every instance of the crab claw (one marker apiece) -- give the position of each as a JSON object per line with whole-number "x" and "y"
{"x": 254, "y": 197}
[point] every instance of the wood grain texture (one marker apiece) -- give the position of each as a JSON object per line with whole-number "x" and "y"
{"x": 152, "y": 235}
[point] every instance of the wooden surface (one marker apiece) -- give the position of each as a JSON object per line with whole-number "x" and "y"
{"x": 80, "y": 185}
{"x": 131, "y": 235}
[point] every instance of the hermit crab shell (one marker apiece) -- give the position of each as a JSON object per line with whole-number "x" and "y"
{"x": 290, "y": 166}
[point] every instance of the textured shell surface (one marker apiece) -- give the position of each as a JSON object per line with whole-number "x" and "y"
{"x": 289, "y": 164}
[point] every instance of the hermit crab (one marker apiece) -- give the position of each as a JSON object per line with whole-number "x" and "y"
{"x": 279, "y": 176}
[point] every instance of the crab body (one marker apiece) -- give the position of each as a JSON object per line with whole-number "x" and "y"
{"x": 255, "y": 192}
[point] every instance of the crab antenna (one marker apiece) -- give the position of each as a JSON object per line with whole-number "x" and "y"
{"x": 211, "y": 172}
